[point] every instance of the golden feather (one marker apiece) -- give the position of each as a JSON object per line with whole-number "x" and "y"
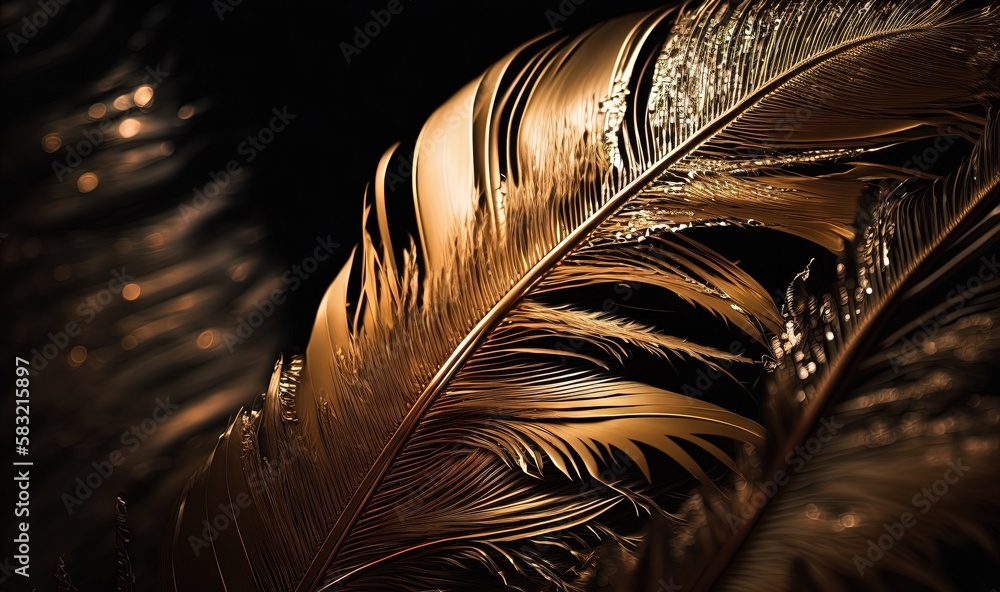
{"x": 463, "y": 418}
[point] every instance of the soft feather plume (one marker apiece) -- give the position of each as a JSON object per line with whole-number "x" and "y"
{"x": 439, "y": 434}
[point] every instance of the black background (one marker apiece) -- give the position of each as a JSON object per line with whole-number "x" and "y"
{"x": 311, "y": 181}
